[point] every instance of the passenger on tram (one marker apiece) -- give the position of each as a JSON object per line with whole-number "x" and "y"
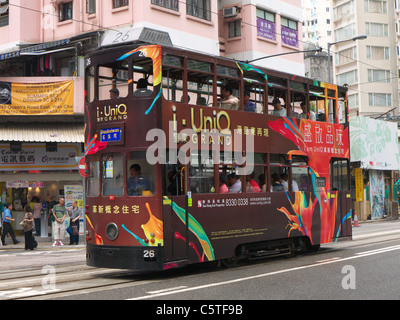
{"x": 276, "y": 183}
{"x": 303, "y": 115}
{"x": 141, "y": 88}
{"x": 114, "y": 93}
{"x": 235, "y": 185}
{"x": 228, "y": 100}
{"x": 222, "y": 183}
{"x": 248, "y": 105}
{"x": 136, "y": 182}
{"x": 251, "y": 184}
{"x": 278, "y": 109}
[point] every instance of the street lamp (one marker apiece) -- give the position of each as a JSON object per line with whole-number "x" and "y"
{"x": 360, "y": 37}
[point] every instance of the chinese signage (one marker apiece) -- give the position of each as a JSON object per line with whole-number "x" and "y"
{"x": 289, "y": 36}
{"x": 266, "y": 29}
{"x": 36, "y": 98}
{"x": 110, "y": 135}
{"x": 35, "y": 157}
{"x": 359, "y": 184}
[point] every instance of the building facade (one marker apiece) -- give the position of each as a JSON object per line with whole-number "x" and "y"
{"x": 369, "y": 67}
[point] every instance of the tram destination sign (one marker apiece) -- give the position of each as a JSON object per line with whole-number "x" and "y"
{"x": 110, "y": 135}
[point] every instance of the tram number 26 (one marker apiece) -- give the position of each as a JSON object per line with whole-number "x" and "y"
{"x": 149, "y": 255}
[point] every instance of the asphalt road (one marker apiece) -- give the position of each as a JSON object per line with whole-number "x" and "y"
{"x": 363, "y": 269}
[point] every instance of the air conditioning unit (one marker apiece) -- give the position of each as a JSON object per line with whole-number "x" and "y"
{"x": 230, "y": 12}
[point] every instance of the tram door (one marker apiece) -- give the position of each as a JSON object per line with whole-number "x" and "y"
{"x": 340, "y": 187}
{"x": 174, "y": 217}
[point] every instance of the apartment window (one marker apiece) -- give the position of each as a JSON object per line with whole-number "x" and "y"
{"x": 376, "y": 29}
{"x": 343, "y": 10}
{"x": 199, "y": 8}
{"x": 376, "y": 6}
{"x": 235, "y": 29}
{"x": 378, "y": 53}
{"x": 380, "y": 99}
{"x": 378, "y": 75}
{"x": 347, "y": 55}
{"x": 353, "y": 100}
{"x": 4, "y": 5}
{"x": 346, "y": 32}
{"x": 169, "y": 4}
{"x": 347, "y": 78}
{"x": 120, "y": 3}
{"x": 65, "y": 11}
{"x": 289, "y": 32}
{"x": 90, "y": 6}
{"x": 266, "y": 24}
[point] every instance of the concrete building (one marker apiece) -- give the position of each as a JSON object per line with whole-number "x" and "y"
{"x": 368, "y": 67}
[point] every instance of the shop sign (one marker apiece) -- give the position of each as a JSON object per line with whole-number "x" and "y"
{"x": 36, "y": 98}
{"x": 35, "y": 157}
{"x": 17, "y": 184}
{"x": 359, "y": 184}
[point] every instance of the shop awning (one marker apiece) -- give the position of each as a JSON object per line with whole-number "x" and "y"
{"x": 35, "y": 48}
{"x": 42, "y": 132}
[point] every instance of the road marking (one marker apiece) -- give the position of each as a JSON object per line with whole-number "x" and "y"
{"x": 327, "y": 260}
{"x": 165, "y": 290}
{"x": 330, "y": 261}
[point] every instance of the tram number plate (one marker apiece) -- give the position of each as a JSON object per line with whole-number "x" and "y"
{"x": 149, "y": 255}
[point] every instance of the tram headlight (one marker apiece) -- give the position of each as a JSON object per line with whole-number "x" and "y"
{"x": 112, "y": 231}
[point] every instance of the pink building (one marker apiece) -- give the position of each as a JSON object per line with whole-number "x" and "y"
{"x": 45, "y": 41}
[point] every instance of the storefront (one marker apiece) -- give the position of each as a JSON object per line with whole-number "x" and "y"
{"x": 374, "y": 156}
{"x": 39, "y": 171}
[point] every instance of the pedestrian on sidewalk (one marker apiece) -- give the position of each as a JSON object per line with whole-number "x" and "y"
{"x": 7, "y": 229}
{"x": 28, "y": 221}
{"x": 75, "y": 214}
{"x": 59, "y": 213}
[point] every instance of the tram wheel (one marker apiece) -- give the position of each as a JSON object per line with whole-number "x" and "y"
{"x": 229, "y": 263}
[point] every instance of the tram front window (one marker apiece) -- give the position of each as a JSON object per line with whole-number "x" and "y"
{"x": 140, "y": 175}
{"x": 112, "y": 169}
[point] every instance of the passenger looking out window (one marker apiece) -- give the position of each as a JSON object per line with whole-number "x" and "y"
{"x": 251, "y": 184}
{"x": 141, "y": 88}
{"x": 248, "y": 105}
{"x": 114, "y": 93}
{"x": 222, "y": 183}
{"x": 278, "y": 109}
{"x": 136, "y": 182}
{"x": 235, "y": 185}
{"x": 228, "y": 100}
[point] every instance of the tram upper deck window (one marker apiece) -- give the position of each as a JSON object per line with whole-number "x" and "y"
{"x": 113, "y": 80}
{"x": 255, "y": 87}
{"x": 172, "y": 81}
{"x": 228, "y": 87}
{"x": 317, "y": 103}
{"x": 200, "y": 83}
{"x": 89, "y": 84}
{"x": 342, "y": 106}
{"x": 140, "y": 175}
{"x": 112, "y": 174}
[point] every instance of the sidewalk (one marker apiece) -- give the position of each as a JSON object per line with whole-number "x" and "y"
{"x": 43, "y": 243}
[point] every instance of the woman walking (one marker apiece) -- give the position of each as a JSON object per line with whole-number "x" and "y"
{"x": 28, "y": 228}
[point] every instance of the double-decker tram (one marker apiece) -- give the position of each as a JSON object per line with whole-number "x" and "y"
{"x": 193, "y": 158}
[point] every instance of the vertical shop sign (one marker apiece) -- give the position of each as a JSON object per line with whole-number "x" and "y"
{"x": 359, "y": 184}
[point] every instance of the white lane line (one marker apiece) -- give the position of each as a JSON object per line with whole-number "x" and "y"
{"x": 359, "y": 255}
{"x": 165, "y": 290}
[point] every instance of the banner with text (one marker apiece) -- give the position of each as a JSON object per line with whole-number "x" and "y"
{"x": 36, "y": 98}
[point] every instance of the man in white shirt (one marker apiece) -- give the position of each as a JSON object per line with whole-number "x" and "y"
{"x": 228, "y": 100}
{"x": 235, "y": 185}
